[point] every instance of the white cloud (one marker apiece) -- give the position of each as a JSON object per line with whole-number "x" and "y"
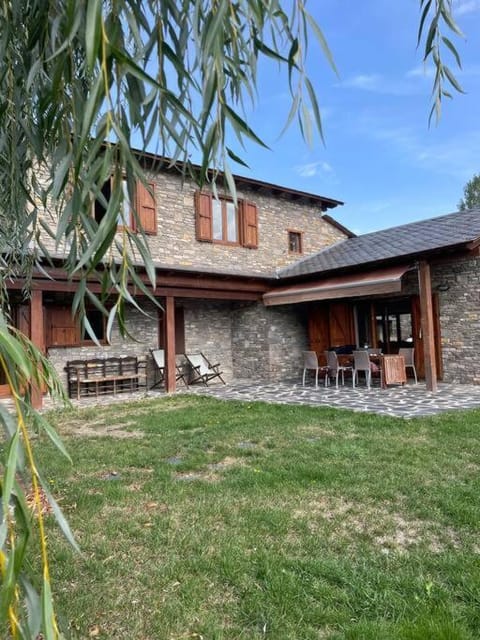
{"x": 311, "y": 169}
{"x": 421, "y": 71}
{"x": 376, "y": 83}
{"x": 364, "y": 81}
{"x": 456, "y": 157}
{"x": 463, "y": 7}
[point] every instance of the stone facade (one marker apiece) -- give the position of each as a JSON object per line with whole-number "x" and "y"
{"x": 248, "y": 340}
{"x": 253, "y": 342}
{"x": 458, "y": 286}
{"x": 268, "y": 342}
{"x": 176, "y": 244}
{"x": 208, "y": 329}
{"x": 142, "y": 326}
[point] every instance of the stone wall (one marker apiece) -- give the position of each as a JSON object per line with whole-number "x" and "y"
{"x": 175, "y": 243}
{"x": 456, "y": 284}
{"x": 268, "y": 342}
{"x": 459, "y": 318}
{"x": 208, "y": 329}
{"x": 143, "y": 327}
{"x": 252, "y": 342}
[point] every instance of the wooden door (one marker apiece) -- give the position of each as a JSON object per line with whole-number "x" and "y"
{"x": 318, "y": 329}
{"x": 341, "y": 326}
{"x": 418, "y": 338}
{"x": 330, "y": 325}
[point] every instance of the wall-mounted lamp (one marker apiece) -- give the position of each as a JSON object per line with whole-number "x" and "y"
{"x": 443, "y": 286}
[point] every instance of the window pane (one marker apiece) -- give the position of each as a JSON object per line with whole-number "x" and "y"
{"x": 97, "y": 322}
{"x": 217, "y": 220}
{"x": 294, "y": 242}
{"x": 232, "y": 232}
{"x": 99, "y": 206}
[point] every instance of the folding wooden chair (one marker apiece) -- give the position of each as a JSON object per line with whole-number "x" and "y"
{"x": 202, "y": 370}
{"x": 158, "y": 356}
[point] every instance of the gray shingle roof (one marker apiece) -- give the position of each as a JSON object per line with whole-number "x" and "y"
{"x": 406, "y": 240}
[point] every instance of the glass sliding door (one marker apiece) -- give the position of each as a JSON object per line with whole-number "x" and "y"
{"x": 393, "y": 323}
{"x": 384, "y": 324}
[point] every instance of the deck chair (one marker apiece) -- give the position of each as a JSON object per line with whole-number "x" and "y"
{"x": 158, "y": 356}
{"x": 202, "y": 370}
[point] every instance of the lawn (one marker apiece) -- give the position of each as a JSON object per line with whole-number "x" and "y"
{"x": 224, "y": 520}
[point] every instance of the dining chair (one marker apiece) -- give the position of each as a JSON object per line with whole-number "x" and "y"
{"x": 409, "y": 355}
{"x": 361, "y": 362}
{"x": 310, "y": 363}
{"x": 334, "y": 368}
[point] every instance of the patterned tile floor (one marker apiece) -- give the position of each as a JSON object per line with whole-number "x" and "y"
{"x": 408, "y": 401}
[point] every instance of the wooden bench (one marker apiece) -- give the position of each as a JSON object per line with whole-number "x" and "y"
{"x": 104, "y": 376}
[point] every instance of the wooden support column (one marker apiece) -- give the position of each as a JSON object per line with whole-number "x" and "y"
{"x": 427, "y": 324}
{"x": 170, "y": 378}
{"x": 37, "y": 336}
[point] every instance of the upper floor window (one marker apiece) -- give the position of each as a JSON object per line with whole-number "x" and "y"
{"x": 219, "y": 221}
{"x": 224, "y": 221}
{"x": 295, "y": 244}
{"x": 144, "y": 203}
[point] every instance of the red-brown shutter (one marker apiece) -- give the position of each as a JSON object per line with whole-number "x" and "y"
{"x": 62, "y": 328}
{"x": 203, "y": 213}
{"x": 249, "y": 215}
{"x": 146, "y": 209}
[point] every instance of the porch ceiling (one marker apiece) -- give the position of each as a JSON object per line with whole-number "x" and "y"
{"x": 379, "y": 281}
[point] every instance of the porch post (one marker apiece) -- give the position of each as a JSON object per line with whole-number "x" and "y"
{"x": 170, "y": 381}
{"x": 426, "y": 320}
{"x": 37, "y": 336}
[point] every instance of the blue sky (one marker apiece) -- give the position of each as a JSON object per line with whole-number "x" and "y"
{"x": 380, "y": 156}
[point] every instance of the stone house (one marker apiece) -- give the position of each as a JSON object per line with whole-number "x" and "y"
{"x": 254, "y": 285}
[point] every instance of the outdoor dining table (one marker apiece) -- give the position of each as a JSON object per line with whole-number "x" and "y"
{"x": 392, "y": 366}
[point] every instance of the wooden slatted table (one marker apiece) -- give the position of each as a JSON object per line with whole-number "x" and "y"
{"x": 393, "y": 370}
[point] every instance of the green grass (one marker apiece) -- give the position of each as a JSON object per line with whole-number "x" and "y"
{"x": 252, "y": 521}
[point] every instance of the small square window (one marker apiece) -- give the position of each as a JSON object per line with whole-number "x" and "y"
{"x": 295, "y": 242}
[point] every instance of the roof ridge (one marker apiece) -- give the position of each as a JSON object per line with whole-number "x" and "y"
{"x": 415, "y": 222}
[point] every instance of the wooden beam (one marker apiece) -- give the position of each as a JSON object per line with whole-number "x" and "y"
{"x": 37, "y": 336}
{"x": 427, "y": 324}
{"x": 174, "y": 279}
{"x": 52, "y": 286}
{"x": 170, "y": 378}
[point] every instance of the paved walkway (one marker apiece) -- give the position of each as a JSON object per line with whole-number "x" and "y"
{"x": 403, "y": 401}
{"x": 407, "y": 402}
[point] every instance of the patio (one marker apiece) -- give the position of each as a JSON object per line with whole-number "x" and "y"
{"x": 408, "y": 401}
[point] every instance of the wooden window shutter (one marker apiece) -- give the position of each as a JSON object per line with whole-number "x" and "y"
{"x": 249, "y": 215}
{"x": 203, "y": 213}
{"x": 146, "y": 209}
{"x": 62, "y": 328}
